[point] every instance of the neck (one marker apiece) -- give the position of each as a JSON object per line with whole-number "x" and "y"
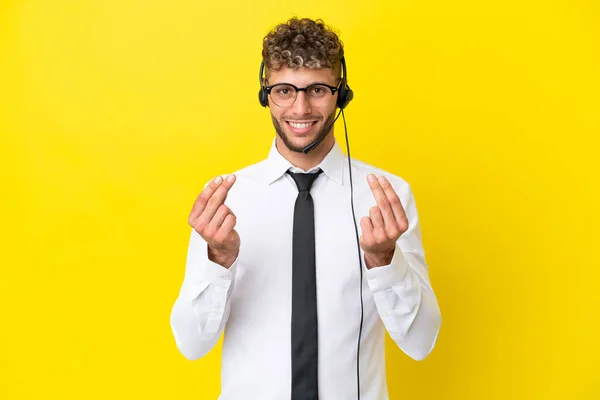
{"x": 310, "y": 160}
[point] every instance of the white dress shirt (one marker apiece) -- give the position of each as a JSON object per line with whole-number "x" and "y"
{"x": 251, "y": 301}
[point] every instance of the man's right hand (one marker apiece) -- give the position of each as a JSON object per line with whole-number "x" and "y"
{"x": 214, "y": 221}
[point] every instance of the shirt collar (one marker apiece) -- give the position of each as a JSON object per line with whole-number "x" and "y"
{"x": 332, "y": 165}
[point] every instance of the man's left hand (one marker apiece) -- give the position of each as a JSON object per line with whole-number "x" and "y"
{"x": 385, "y": 224}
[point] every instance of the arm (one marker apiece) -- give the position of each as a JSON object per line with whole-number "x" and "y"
{"x": 406, "y": 302}
{"x": 398, "y": 276}
{"x": 201, "y": 310}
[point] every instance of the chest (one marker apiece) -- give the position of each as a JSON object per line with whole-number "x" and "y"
{"x": 266, "y": 228}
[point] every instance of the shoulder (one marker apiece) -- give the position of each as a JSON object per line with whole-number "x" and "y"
{"x": 361, "y": 169}
{"x": 249, "y": 173}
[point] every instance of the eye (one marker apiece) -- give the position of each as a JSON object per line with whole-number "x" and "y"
{"x": 318, "y": 91}
{"x": 283, "y": 91}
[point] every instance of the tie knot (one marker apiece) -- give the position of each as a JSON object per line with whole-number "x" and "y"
{"x": 304, "y": 181}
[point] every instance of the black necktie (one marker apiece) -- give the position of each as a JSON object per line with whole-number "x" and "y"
{"x": 304, "y": 293}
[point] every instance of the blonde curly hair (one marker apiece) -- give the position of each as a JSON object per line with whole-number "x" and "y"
{"x": 302, "y": 43}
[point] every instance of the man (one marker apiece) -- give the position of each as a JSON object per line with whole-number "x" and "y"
{"x": 273, "y": 259}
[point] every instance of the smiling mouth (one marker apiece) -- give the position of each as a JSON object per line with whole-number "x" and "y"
{"x": 301, "y": 125}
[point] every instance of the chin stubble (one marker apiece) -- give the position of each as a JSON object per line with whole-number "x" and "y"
{"x": 321, "y": 134}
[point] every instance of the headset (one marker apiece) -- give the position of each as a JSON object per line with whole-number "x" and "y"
{"x": 345, "y": 95}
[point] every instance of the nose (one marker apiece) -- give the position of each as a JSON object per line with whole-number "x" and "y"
{"x": 301, "y": 105}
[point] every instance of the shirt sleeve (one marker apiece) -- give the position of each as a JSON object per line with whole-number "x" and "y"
{"x": 201, "y": 310}
{"x": 403, "y": 293}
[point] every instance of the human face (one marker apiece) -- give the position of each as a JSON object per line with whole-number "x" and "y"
{"x": 300, "y": 124}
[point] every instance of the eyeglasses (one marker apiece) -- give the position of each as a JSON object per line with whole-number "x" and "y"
{"x": 317, "y": 95}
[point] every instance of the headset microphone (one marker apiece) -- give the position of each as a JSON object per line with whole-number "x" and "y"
{"x": 316, "y": 142}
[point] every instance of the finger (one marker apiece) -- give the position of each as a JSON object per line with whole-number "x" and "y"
{"x": 367, "y": 231}
{"x": 226, "y": 227}
{"x": 204, "y": 196}
{"x": 382, "y": 200}
{"x": 215, "y": 201}
{"x": 215, "y": 224}
{"x": 394, "y": 200}
{"x": 378, "y": 224}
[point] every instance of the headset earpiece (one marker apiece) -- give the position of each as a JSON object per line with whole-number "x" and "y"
{"x": 345, "y": 94}
{"x": 263, "y": 96}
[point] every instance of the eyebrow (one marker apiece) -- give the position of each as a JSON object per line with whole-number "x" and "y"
{"x": 300, "y": 87}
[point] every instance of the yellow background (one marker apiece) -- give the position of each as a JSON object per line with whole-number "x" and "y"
{"x": 113, "y": 115}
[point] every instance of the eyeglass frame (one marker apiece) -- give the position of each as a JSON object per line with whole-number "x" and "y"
{"x": 303, "y": 89}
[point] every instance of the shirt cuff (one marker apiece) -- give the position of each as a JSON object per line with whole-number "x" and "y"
{"x": 386, "y": 276}
{"x": 216, "y": 274}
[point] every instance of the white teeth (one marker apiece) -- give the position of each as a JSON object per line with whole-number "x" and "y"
{"x": 300, "y": 125}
